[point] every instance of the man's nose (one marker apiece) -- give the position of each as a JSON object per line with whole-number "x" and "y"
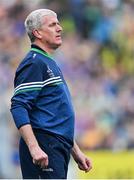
{"x": 59, "y": 28}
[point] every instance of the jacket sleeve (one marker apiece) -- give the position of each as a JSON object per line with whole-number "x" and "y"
{"x": 28, "y": 84}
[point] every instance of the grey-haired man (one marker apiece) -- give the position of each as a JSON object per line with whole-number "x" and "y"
{"x": 41, "y": 105}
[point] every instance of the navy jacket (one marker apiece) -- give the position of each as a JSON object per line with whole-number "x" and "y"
{"x": 41, "y": 96}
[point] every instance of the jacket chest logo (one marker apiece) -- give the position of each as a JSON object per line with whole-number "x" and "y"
{"x": 50, "y": 72}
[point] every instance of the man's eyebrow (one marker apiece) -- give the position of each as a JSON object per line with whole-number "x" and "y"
{"x": 53, "y": 23}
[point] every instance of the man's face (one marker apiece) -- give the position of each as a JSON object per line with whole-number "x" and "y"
{"x": 51, "y": 32}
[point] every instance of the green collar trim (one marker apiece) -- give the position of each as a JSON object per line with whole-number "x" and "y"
{"x": 41, "y": 52}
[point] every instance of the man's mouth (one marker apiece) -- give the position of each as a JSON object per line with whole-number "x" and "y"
{"x": 58, "y": 36}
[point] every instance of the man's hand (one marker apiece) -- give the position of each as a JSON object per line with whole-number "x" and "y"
{"x": 40, "y": 158}
{"x": 84, "y": 163}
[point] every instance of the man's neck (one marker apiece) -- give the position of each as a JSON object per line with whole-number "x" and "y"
{"x": 46, "y": 49}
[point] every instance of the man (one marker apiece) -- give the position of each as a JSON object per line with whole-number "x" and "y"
{"x": 41, "y": 105}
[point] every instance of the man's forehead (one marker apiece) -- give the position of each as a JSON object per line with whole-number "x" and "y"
{"x": 49, "y": 19}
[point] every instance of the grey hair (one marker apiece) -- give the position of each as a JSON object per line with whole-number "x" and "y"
{"x": 34, "y": 21}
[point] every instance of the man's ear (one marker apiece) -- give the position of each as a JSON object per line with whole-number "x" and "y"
{"x": 37, "y": 34}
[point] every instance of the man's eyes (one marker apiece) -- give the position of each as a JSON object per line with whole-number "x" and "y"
{"x": 54, "y": 24}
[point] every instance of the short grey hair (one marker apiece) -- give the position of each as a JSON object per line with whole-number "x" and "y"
{"x": 34, "y": 21}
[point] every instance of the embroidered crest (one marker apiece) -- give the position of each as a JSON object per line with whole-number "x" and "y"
{"x": 50, "y": 72}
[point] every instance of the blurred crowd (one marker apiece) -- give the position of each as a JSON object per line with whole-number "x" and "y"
{"x": 97, "y": 60}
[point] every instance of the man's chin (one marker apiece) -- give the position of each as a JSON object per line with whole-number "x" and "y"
{"x": 59, "y": 43}
{"x": 55, "y": 46}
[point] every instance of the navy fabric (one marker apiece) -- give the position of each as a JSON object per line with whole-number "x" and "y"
{"x": 41, "y": 96}
{"x": 58, "y": 154}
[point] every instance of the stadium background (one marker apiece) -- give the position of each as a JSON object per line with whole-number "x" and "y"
{"x": 97, "y": 59}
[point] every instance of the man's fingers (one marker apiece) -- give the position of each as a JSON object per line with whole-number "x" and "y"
{"x": 81, "y": 167}
{"x": 85, "y": 165}
{"x": 89, "y": 164}
{"x": 34, "y": 162}
{"x": 43, "y": 162}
